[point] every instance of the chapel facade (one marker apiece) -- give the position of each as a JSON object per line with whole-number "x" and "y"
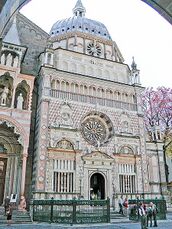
{"x": 86, "y": 133}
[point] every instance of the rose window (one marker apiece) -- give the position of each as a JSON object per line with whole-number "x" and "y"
{"x": 97, "y": 129}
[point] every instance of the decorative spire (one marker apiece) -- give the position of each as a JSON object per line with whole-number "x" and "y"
{"x": 133, "y": 65}
{"x": 135, "y": 73}
{"x": 79, "y": 9}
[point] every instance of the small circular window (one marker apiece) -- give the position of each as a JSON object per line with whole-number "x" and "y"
{"x": 94, "y": 49}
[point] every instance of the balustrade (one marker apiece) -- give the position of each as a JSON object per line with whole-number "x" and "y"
{"x": 89, "y": 99}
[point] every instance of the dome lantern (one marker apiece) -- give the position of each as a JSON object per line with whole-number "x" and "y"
{"x": 79, "y": 9}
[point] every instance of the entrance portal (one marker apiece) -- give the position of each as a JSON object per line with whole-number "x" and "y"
{"x": 3, "y": 165}
{"x": 97, "y": 186}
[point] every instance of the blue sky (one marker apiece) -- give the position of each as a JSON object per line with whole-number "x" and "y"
{"x": 137, "y": 29}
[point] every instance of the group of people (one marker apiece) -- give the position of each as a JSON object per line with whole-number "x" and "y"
{"x": 8, "y": 209}
{"x": 147, "y": 215}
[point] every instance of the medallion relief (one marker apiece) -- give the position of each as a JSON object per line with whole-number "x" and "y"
{"x": 65, "y": 117}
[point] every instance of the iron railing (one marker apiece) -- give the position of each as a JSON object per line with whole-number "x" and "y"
{"x": 71, "y": 211}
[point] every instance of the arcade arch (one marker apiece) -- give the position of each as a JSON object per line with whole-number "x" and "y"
{"x": 11, "y": 151}
{"x": 14, "y": 142}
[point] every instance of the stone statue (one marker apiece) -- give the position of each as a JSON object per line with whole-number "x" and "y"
{"x": 4, "y": 96}
{"x": 9, "y": 60}
{"x": 16, "y": 60}
{"x": 3, "y": 59}
{"x": 20, "y": 101}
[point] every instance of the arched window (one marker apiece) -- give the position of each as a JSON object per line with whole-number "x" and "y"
{"x": 63, "y": 85}
{"x": 76, "y": 88}
{"x": 49, "y": 56}
{"x": 53, "y": 84}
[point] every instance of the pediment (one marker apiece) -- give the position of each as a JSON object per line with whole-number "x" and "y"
{"x": 97, "y": 155}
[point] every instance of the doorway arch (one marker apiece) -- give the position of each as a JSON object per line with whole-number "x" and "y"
{"x": 97, "y": 186}
{"x": 10, "y": 160}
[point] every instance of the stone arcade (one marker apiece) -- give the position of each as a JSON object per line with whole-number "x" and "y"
{"x": 86, "y": 133}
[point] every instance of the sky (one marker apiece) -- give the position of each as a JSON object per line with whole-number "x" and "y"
{"x": 137, "y": 29}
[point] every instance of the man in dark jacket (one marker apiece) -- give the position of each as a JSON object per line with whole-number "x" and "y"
{"x": 143, "y": 218}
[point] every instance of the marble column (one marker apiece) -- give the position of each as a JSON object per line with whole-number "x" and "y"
{"x": 22, "y": 205}
{"x": 13, "y": 97}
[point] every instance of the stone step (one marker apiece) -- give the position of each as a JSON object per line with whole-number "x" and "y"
{"x": 24, "y": 217}
{"x": 17, "y": 217}
{"x": 116, "y": 215}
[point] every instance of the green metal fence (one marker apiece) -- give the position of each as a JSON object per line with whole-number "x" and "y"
{"x": 134, "y": 205}
{"x": 71, "y": 211}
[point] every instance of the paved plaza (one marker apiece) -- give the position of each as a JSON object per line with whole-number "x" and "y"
{"x": 164, "y": 224}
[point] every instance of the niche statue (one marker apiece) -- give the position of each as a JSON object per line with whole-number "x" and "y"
{"x": 20, "y": 101}
{"x": 4, "y": 96}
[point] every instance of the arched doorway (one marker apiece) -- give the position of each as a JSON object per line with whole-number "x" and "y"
{"x": 97, "y": 186}
{"x": 10, "y": 160}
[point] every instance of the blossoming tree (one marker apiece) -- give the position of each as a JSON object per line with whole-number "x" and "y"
{"x": 157, "y": 108}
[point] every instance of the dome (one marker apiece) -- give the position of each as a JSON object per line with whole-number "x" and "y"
{"x": 80, "y": 23}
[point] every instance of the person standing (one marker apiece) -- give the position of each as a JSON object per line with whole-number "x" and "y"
{"x": 149, "y": 215}
{"x": 6, "y": 204}
{"x": 9, "y": 215}
{"x": 120, "y": 203}
{"x": 125, "y": 205}
{"x": 143, "y": 217}
{"x": 154, "y": 213}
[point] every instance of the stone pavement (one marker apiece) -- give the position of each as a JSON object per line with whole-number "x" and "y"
{"x": 162, "y": 224}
